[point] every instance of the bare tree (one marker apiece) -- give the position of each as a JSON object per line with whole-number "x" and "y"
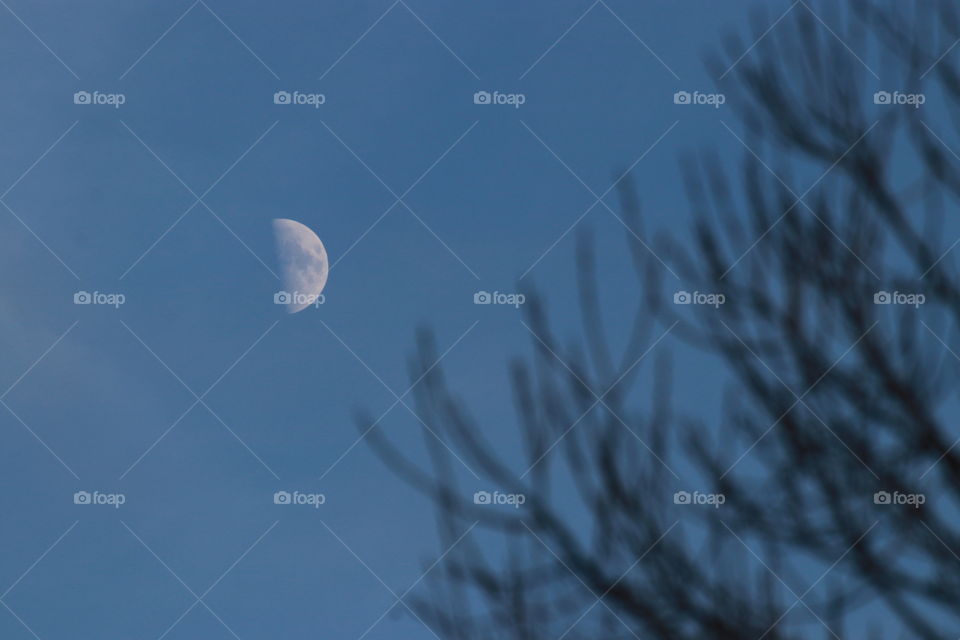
{"x": 838, "y": 421}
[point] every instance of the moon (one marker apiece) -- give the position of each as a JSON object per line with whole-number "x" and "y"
{"x": 303, "y": 262}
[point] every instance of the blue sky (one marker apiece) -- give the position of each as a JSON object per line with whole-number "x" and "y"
{"x": 168, "y": 200}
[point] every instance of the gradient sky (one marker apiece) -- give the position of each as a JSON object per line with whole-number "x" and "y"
{"x": 106, "y": 196}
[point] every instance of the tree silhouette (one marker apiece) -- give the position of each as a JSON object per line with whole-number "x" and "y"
{"x": 839, "y": 407}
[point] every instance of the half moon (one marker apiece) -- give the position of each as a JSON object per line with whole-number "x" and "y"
{"x": 303, "y": 262}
